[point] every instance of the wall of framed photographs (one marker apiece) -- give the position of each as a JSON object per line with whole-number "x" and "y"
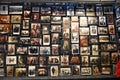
{"x": 58, "y": 39}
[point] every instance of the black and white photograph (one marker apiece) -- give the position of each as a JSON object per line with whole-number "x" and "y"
{"x": 105, "y": 58}
{"x": 15, "y": 9}
{"x": 35, "y": 9}
{"x": 75, "y": 49}
{"x": 108, "y": 10}
{"x": 99, "y": 10}
{"x": 102, "y": 30}
{"x": 118, "y": 12}
{"x": 76, "y": 70}
{"x": 70, "y": 10}
{"x": 31, "y": 71}
{"x": 55, "y": 49}
{"x": 33, "y": 50}
{"x": 45, "y": 10}
{"x": 3, "y": 9}
{"x": 80, "y": 12}
{"x": 24, "y": 40}
{"x": 92, "y": 20}
{"x": 102, "y": 21}
{"x": 75, "y": 37}
{"x": 45, "y": 50}
{"x": 16, "y": 29}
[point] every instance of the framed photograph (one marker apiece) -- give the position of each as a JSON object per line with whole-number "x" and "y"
{"x": 102, "y": 30}
{"x": 70, "y": 10}
{"x": 10, "y": 71}
{"x": 3, "y": 9}
{"x": 90, "y": 13}
{"x": 111, "y": 47}
{"x": 83, "y": 21}
{"x": 74, "y": 27}
{"x": 16, "y": 29}
{"x": 111, "y": 29}
{"x": 84, "y": 50}
{"x": 42, "y": 61}
{"x": 4, "y": 19}
{"x": 90, "y": 8}
{"x": 35, "y": 9}
{"x": 16, "y": 18}
{"x": 105, "y": 58}
{"x": 54, "y": 60}
{"x": 36, "y": 41}
{"x": 25, "y": 33}
{"x": 27, "y": 14}
{"x": 96, "y": 70}
{"x": 74, "y": 18}
{"x": 64, "y": 60}
{"x": 86, "y": 71}
{"x": 66, "y": 22}
{"x": 24, "y": 40}
{"x": 75, "y": 37}
{"x": 45, "y": 28}
{"x": 15, "y": 9}
{"x": 104, "y": 38}
{"x": 65, "y": 45}
{"x": 54, "y": 71}
{"x": 12, "y": 39}
{"x": 66, "y": 33}
{"x": 11, "y": 49}
{"x": 56, "y": 20}
{"x": 20, "y": 72}
{"x": 31, "y": 71}
{"x": 75, "y": 49}
{"x": 112, "y": 38}
{"x": 55, "y": 28}
{"x": 33, "y": 50}
{"x": 35, "y": 29}
{"x": 92, "y": 20}
{"x": 99, "y": 10}
{"x": 118, "y": 12}
{"x": 114, "y": 57}
{"x": 74, "y": 60}
{"x": 2, "y": 72}
{"x": 95, "y": 50}
{"x": 102, "y": 21}
{"x": 5, "y": 28}
{"x": 83, "y": 40}
{"x": 3, "y": 48}
{"x": 84, "y": 31}
{"x": 11, "y": 60}
{"x": 93, "y": 30}
{"x": 45, "y": 19}
{"x": 103, "y": 47}
{"x": 32, "y": 60}
{"x": 46, "y": 39}
{"x": 80, "y": 12}
{"x": 55, "y": 38}
{"x": 106, "y": 70}
{"x": 3, "y": 39}
{"x": 2, "y": 61}
{"x": 45, "y": 10}
{"x": 108, "y": 10}
{"x": 55, "y": 49}
{"x": 85, "y": 60}
{"x": 110, "y": 19}
{"x": 35, "y": 17}
{"x": 65, "y": 71}
{"x": 42, "y": 72}
{"x": 118, "y": 22}
{"x": 21, "y": 50}
{"x": 45, "y": 50}
{"x": 21, "y": 60}
{"x": 94, "y": 60}
{"x": 26, "y": 24}
{"x": 76, "y": 70}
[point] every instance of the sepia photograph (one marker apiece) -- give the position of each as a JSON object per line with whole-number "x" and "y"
{"x": 27, "y": 14}
{"x": 4, "y": 19}
{"x": 105, "y": 58}
{"x": 20, "y": 72}
{"x": 75, "y": 37}
{"x": 104, "y": 38}
{"x": 65, "y": 71}
{"x": 75, "y": 49}
{"x": 83, "y": 40}
{"x": 43, "y": 61}
{"x": 2, "y": 72}
{"x": 94, "y": 60}
{"x": 31, "y": 71}
{"x": 46, "y": 39}
{"x": 55, "y": 49}
{"x": 16, "y": 18}
{"x": 110, "y": 19}
{"x": 74, "y": 18}
{"x": 92, "y": 20}
{"x": 26, "y": 24}
{"x": 114, "y": 57}
{"x": 106, "y": 70}
{"x": 21, "y": 50}
{"x": 45, "y": 19}
{"x": 5, "y": 28}
{"x": 111, "y": 29}
{"x": 65, "y": 45}
{"x": 25, "y": 33}
{"x": 74, "y": 27}
{"x": 54, "y": 71}
{"x": 10, "y": 71}
{"x": 35, "y": 17}
{"x": 2, "y": 61}
{"x": 66, "y": 33}
{"x": 11, "y": 60}
{"x": 55, "y": 28}
{"x": 111, "y": 47}
{"x": 76, "y": 70}
{"x": 36, "y": 41}
{"x": 84, "y": 61}
{"x": 56, "y": 20}
{"x": 84, "y": 50}
{"x": 86, "y": 71}
{"x": 55, "y": 38}
{"x": 42, "y": 72}
{"x": 16, "y": 29}
{"x": 74, "y": 60}
{"x": 64, "y": 60}
{"x": 12, "y": 39}
{"x": 95, "y": 50}
{"x": 21, "y": 60}
{"x": 11, "y": 49}
{"x": 80, "y": 12}
{"x": 96, "y": 70}
{"x": 83, "y": 21}
{"x": 15, "y": 9}
{"x": 3, "y": 38}
{"x": 32, "y": 60}
{"x": 45, "y": 28}
{"x": 66, "y": 22}
{"x": 102, "y": 30}
{"x": 54, "y": 60}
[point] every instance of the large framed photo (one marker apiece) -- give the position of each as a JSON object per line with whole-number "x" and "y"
{"x": 86, "y": 71}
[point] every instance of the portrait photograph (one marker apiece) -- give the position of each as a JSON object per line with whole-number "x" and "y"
{"x": 118, "y": 12}
{"x": 4, "y": 19}
{"x": 95, "y": 50}
{"x": 111, "y": 29}
{"x": 3, "y": 38}
{"x": 10, "y": 71}
{"x": 74, "y": 27}
{"x": 16, "y": 29}
{"x": 11, "y": 49}
{"x": 105, "y": 58}
{"x": 66, "y": 33}
{"x": 65, "y": 45}
{"x": 114, "y": 56}
{"x": 54, "y": 60}
{"x": 27, "y": 14}
{"x": 31, "y": 71}
{"x": 93, "y": 30}
{"x": 55, "y": 49}
{"x": 15, "y": 9}
{"x": 46, "y": 39}
{"x": 96, "y": 70}
{"x": 76, "y": 70}
{"x": 118, "y": 22}
{"x": 20, "y": 72}
{"x": 64, "y": 60}
{"x": 35, "y": 17}
{"x": 75, "y": 37}
{"x": 45, "y": 28}
{"x": 66, "y": 22}
{"x": 11, "y": 60}
{"x": 86, "y": 71}
{"x": 102, "y": 21}
{"x": 70, "y": 10}
{"x": 42, "y": 61}
{"x": 65, "y": 71}
{"x": 84, "y": 61}
{"x": 3, "y": 9}
{"x": 26, "y": 24}
{"x": 84, "y": 31}
{"x": 99, "y": 10}
{"x": 55, "y": 38}
{"x": 54, "y": 71}
{"x": 75, "y": 49}
{"x": 110, "y": 19}
{"x": 112, "y": 38}
{"x": 45, "y": 50}
{"x": 16, "y": 18}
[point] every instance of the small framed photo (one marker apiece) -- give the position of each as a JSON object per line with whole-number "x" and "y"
{"x": 46, "y": 39}
{"x": 35, "y": 17}
{"x": 32, "y": 60}
{"x": 84, "y": 31}
{"x": 16, "y": 29}
{"x": 85, "y": 50}
{"x": 16, "y": 18}
{"x": 54, "y": 60}
{"x": 64, "y": 60}
{"x": 118, "y": 12}
{"x": 65, "y": 71}
{"x": 55, "y": 28}
{"x": 94, "y": 60}
{"x": 5, "y": 28}
{"x": 4, "y": 19}
{"x": 27, "y": 14}
{"x": 111, "y": 47}
{"x": 102, "y": 21}
{"x": 54, "y": 71}
{"x": 105, "y": 58}
{"x": 10, "y": 71}
{"x": 92, "y": 20}
{"x": 118, "y": 22}
{"x": 33, "y": 50}
{"x": 46, "y": 10}
{"x": 11, "y": 49}
{"x": 95, "y": 50}
{"x": 110, "y": 19}
{"x": 85, "y": 60}
{"x": 66, "y": 33}
{"x": 99, "y": 10}
{"x": 55, "y": 38}
{"x": 26, "y": 24}
{"x": 108, "y": 10}
{"x": 22, "y": 50}
{"x": 36, "y": 41}
{"x": 103, "y": 47}
{"x": 3, "y": 39}
{"x": 2, "y": 72}
{"x": 74, "y": 27}
{"x": 83, "y": 21}
{"x": 3, "y": 9}
{"x": 20, "y": 72}
{"x": 75, "y": 49}
{"x": 24, "y": 40}
{"x": 80, "y": 12}
{"x": 104, "y": 38}
{"x": 55, "y": 49}
{"x": 96, "y": 70}
{"x": 1, "y": 59}
{"x": 76, "y": 70}
{"x": 106, "y": 70}
{"x": 70, "y": 10}
{"x": 90, "y": 14}
{"x": 74, "y": 60}
{"x": 86, "y": 71}
{"x": 114, "y": 57}
{"x": 74, "y": 18}
{"x": 35, "y": 29}
{"x": 66, "y": 22}
{"x": 12, "y": 39}
{"x": 35, "y": 9}
{"x": 25, "y": 33}
{"x": 83, "y": 40}
{"x": 42, "y": 61}
{"x": 93, "y": 30}
{"x": 75, "y": 37}
{"x": 31, "y": 71}
{"x": 65, "y": 45}
{"x": 102, "y": 30}
{"x": 111, "y": 29}
{"x": 11, "y": 60}
{"x": 42, "y": 72}
{"x": 45, "y": 19}
{"x": 44, "y": 50}
{"x": 3, "y": 48}
{"x": 21, "y": 60}
{"x": 56, "y": 20}
{"x": 112, "y": 38}
{"x": 15, "y": 9}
